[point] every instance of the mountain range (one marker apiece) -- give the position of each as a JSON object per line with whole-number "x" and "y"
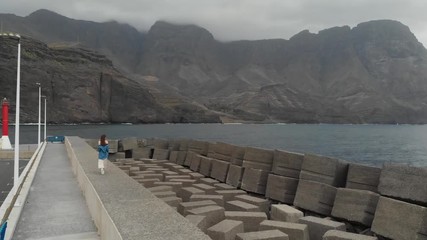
{"x": 375, "y": 72}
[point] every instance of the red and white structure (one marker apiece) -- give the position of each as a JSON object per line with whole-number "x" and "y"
{"x": 5, "y": 142}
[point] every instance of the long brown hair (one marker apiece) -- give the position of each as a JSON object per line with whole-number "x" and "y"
{"x": 102, "y": 140}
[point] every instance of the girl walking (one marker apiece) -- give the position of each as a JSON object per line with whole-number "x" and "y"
{"x": 103, "y": 149}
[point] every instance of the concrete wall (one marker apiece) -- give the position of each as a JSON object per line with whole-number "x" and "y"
{"x": 119, "y": 212}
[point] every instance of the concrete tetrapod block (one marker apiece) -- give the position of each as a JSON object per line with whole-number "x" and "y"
{"x": 113, "y": 146}
{"x": 209, "y": 189}
{"x": 295, "y": 231}
{"x": 225, "y": 230}
{"x": 251, "y": 220}
{"x": 363, "y": 177}
{"x": 164, "y": 194}
{"x": 314, "y": 196}
{"x": 195, "y": 162}
{"x": 235, "y": 175}
{"x": 161, "y": 154}
{"x": 258, "y": 158}
{"x": 317, "y": 227}
{"x": 172, "y": 201}
{"x": 160, "y": 189}
{"x": 287, "y": 164}
{"x": 161, "y": 143}
{"x": 223, "y": 151}
{"x": 197, "y": 146}
{"x": 181, "y": 157}
{"x": 176, "y": 186}
{"x": 355, "y": 205}
{"x": 185, "y": 206}
{"x": 237, "y": 155}
{"x": 326, "y": 170}
{"x": 281, "y": 188}
{"x": 263, "y": 235}
{"x": 152, "y": 175}
{"x": 400, "y": 220}
{"x": 230, "y": 194}
{"x": 237, "y": 205}
{"x": 219, "y": 170}
{"x": 185, "y": 182}
{"x": 196, "y": 175}
{"x": 199, "y": 221}
{"x": 341, "y": 235}
{"x": 208, "y": 181}
{"x": 214, "y": 213}
{"x": 173, "y": 156}
{"x": 283, "y": 212}
{"x": 205, "y": 166}
{"x": 186, "y": 192}
{"x": 148, "y": 182}
{"x": 404, "y": 182}
{"x": 129, "y": 143}
{"x": 218, "y": 199}
{"x": 224, "y": 186}
{"x": 254, "y": 180}
{"x": 262, "y": 204}
{"x": 189, "y": 158}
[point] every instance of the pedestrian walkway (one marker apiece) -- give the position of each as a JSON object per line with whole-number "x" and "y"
{"x": 55, "y": 207}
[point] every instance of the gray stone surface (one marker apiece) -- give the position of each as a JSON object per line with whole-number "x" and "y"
{"x": 263, "y": 204}
{"x": 126, "y": 205}
{"x": 295, "y": 231}
{"x": 281, "y": 188}
{"x": 208, "y": 181}
{"x": 230, "y": 194}
{"x": 185, "y": 206}
{"x": 129, "y": 143}
{"x": 317, "y": 227}
{"x": 183, "y": 144}
{"x": 164, "y": 194}
{"x": 258, "y": 158}
{"x": 400, "y": 220}
{"x": 235, "y": 175}
{"x": 205, "y": 166}
{"x": 404, "y": 182}
{"x": 141, "y": 152}
{"x": 186, "y": 192}
{"x": 159, "y": 143}
{"x": 189, "y": 158}
{"x": 355, "y": 205}
{"x": 251, "y": 220}
{"x": 218, "y": 199}
{"x": 185, "y": 182}
{"x": 283, "y": 212}
{"x": 219, "y": 170}
{"x": 341, "y": 235}
{"x": 199, "y": 221}
{"x": 209, "y": 189}
{"x": 197, "y": 146}
{"x": 223, "y": 151}
{"x": 363, "y": 177}
{"x": 160, "y": 189}
{"x": 237, "y": 205}
{"x": 196, "y": 175}
{"x": 287, "y": 164}
{"x": 237, "y": 155}
{"x": 263, "y": 235}
{"x": 181, "y": 157}
{"x": 161, "y": 154}
{"x": 315, "y": 196}
{"x": 224, "y": 186}
{"x": 113, "y": 145}
{"x": 173, "y": 156}
{"x": 176, "y": 186}
{"x": 172, "y": 201}
{"x": 55, "y": 205}
{"x": 254, "y": 180}
{"x": 225, "y": 230}
{"x": 326, "y": 170}
{"x": 195, "y": 163}
{"x": 213, "y": 213}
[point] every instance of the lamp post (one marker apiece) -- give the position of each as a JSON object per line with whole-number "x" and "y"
{"x": 45, "y": 110}
{"x": 18, "y": 90}
{"x": 40, "y": 111}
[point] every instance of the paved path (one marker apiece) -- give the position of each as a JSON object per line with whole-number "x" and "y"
{"x": 55, "y": 207}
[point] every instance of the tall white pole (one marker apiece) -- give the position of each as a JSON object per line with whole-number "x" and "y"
{"x": 45, "y": 110}
{"x": 40, "y": 109}
{"x": 18, "y": 90}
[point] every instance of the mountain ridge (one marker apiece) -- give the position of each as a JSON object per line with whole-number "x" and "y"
{"x": 371, "y": 73}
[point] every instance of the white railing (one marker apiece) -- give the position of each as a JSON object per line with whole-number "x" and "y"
{"x": 12, "y": 206}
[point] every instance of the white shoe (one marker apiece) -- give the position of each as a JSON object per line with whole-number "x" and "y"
{"x": 102, "y": 171}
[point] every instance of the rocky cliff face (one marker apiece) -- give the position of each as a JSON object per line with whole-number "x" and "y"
{"x": 372, "y": 73}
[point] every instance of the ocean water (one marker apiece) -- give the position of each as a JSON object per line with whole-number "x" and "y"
{"x": 366, "y": 144}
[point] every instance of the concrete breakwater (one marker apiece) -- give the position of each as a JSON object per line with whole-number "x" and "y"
{"x": 236, "y": 192}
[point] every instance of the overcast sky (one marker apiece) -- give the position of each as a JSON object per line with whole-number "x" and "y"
{"x": 237, "y": 19}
